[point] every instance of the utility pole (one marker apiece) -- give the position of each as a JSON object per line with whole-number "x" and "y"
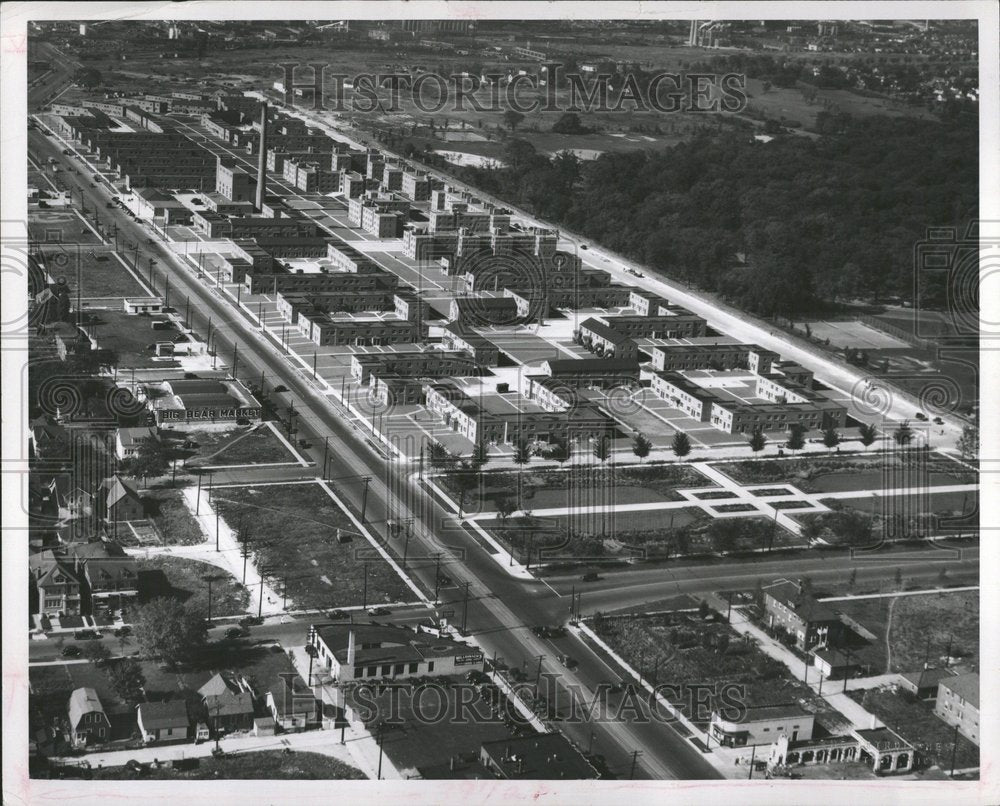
{"x": 538, "y": 673}
{"x": 260, "y": 603}
{"x": 326, "y": 445}
{"x": 753, "y": 755}
{"x": 379, "y": 776}
{"x": 209, "y": 580}
{"x": 364, "y": 598}
{"x": 197, "y": 500}
{"x": 635, "y": 761}
{"x": 406, "y": 540}
{"x": 954, "y": 747}
{"x": 364, "y": 497}
{"x": 465, "y": 608}
{"x": 236, "y": 348}
{"x": 437, "y": 575}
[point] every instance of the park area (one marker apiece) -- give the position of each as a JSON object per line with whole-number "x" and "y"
{"x": 699, "y": 647}
{"x": 308, "y": 545}
{"x": 187, "y": 581}
{"x": 578, "y": 486}
{"x": 914, "y": 630}
{"x": 92, "y": 271}
{"x": 872, "y": 471}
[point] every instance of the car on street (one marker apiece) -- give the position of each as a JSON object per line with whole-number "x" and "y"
{"x": 337, "y": 615}
{"x": 250, "y": 621}
{"x": 71, "y": 652}
{"x": 87, "y": 635}
{"x": 379, "y": 611}
{"x": 568, "y": 661}
{"x": 305, "y": 443}
{"x": 938, "y": 421}
{"x": 235, "y": 633}
{"x": 280, "y": 388}
{"x": 591, "y": 576}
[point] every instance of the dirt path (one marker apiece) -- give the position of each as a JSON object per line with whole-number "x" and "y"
{"x": 888, "y": 630}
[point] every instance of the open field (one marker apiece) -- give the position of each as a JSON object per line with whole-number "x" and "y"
{"x": 239, "y": 446}
{"x": 271, "y": 764}
{"x": 93, "y": 272}
{"x": 919, "y": 629}
{"x": 292, "y": 531}
{"x": 915, "y": 721}
{"x": 184, "y": 579}
{"x": 59, "y": 225}
{"x": 174, "y": 521}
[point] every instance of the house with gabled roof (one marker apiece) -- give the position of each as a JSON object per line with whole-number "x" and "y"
{"x": 57, "y": 584}
{"x": 228, "y": 702}
{"x": 813, "y": 624}
{"x": 164, "y": 721}
{"x": 88, "y": 722}
{"x": 119, "y": 500}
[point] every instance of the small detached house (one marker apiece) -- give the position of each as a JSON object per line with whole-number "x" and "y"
{"x": 228, "y": 704}
{"x": 923, "y": 684}
{"x": 164, "y": 721}
{"x": 294, "y": 707}
{"x": 88, "y": 722}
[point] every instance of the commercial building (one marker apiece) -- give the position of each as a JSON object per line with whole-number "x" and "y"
{"x": 352, "y": 652}
{"x": 198, "y": 402}
{"x": 543, "y": 757}
{"x": 763, "y": 724}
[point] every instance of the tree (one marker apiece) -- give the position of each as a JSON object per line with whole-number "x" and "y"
{"x": 641, "y": 446}
{"x": 126, "y": 679}
{"x": 681, "y": 446}
{"x": 88, "y": 77}
{"x": 559, "y": 451}
{"x": 438, "y": 456}
{"x": 904, "y": 434}
{"x": 522, "y": 454}
{"x": 466, "y": 479}
{"x": 512, "y": 118}
{"x": 968, "y": 443}
{"x": 757, "y": 441}
{"x": 868, "y": 433}
{"x": 602, "y": 448}
{"x": 796, "y": 438}
{"x": 165, "y": 628}
{"x": 569, "y": 123}
{"x": 506, "y": 506}
{"x": 831, "y": 438}
{"x": 96, "y": 653}
{"x": 480, "y": 455}
{"x": 150, "y": 460}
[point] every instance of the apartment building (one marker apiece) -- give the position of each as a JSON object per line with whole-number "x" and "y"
{"x": 958, "y": 704}
{"x": 430, "y": 363}
{"x": 325, "y": 329}
{"x": 457, "y": 336}
{"x": 694, "y": 400}
{"x": 676, "y": 357}
{"x": 607, "y": 341}
{"x": 234, "y": 183}
{"x": 680, "y": 323}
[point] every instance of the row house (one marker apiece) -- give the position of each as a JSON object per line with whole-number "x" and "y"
{"x": 281, "y": 280}
{"x": 607, "y": 341}
{"x": 432, "y": 363}
{"x": 483, "y": 311}
{"x": 675, "y": 357}
{"x": 680, "y": 324}
{"x": 694, "y": 400}
{"x": 737, "y": 417}
{"x": 323, "y": 329}
{"x": 348, "y": 258}
{"x": 602, "y": 373}
{"x": 457, "y": 336}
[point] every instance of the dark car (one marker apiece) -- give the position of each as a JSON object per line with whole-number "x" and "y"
{"x": 250, "y": 621}
{"x": 280, "y": 388}
{"x": 87, "y": 635}
{"x": 938, "y": 421}
{"x": 337, "y": 615}
{"x": 591, "y": 576}
{"x": 379, "y": 611}
{"x": 242, "y": 421}
{"x": 71, "y": 652}
{"x": 305, "y": 443}
{"x": 235, "y": 633}
{"x": 920, "y": 415}
{"x": 568, "y": 661}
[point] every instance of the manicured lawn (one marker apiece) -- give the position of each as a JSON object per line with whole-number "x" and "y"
{"x": 842, "y": 473}
{"x": 242, "y": 446}
{"x": 176, "y": 525}
{"x": 183, "y": 579}
{"x": 953, "y": 504}
{"x": 580, "y": 486}
{"x": 915, "y": 721}
{"x": 272, "y": 764}
{"x": 293, "y": 531}
{"x": 920, "y": 629}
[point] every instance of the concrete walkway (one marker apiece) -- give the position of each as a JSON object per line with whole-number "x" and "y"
{"x": 314, "y": 741}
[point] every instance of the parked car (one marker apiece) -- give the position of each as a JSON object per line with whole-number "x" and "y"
{"x": 242, "y": 421}
{"x": 234, "y": 633}
{"x": 71, "y": 652}
{"x": 568, "y": 661}
{"x": 938, "y": 421}
{"x": 591, "y": 576}
{"x": 337, "y": 615}
{"x": 250, "y": 621}
{"x": 87, "y": 635}
{"x": 920, "y": 415}
{"x": 280, "y": 388}
{"x": 379, "y": 611}
{"x": 305, "y": 443}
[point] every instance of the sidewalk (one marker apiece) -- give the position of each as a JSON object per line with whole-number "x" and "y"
{"x": 314, "y": 741}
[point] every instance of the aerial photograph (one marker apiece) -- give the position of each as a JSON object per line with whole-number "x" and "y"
{"x": 501, "y": 400}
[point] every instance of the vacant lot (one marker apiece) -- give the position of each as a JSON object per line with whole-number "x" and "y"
{"x": 293, "y": 532}
{"x": 180, "y": 578}
{"x": 132, "y": 337}
{"x": 918, "y": 629}
{"x": 273, "y": 764}
{"x": 241, "y": 446}
{"x": 94, "y": 272}
{"x": 173, "y": 520}
{"x": 684, "y": 648}
{"x": 915, "y": 721}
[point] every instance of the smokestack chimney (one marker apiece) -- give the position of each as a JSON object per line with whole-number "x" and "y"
{"x": 262, "y": 158}
{"x": 350, "y": 648}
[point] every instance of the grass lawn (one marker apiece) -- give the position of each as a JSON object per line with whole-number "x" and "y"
{"x": 954, "y": 504}
{"x": 131, "y": 337}
{"x": 257, "y": 446}
{"x": 265, "y": 764}
{"x": 920, "y": 628}
{"x": 51, "y": 686}
{"x": 580, "y": 486}
{"x": 174, "y": 521}
{"x": 293, "y": 532}
{"x": 183, "y": 579}
{"x": 842, "y": 473}
{"x": 915, "y": 721}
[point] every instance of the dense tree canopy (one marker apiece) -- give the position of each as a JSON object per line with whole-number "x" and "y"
{"x": 833, "y": 218}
